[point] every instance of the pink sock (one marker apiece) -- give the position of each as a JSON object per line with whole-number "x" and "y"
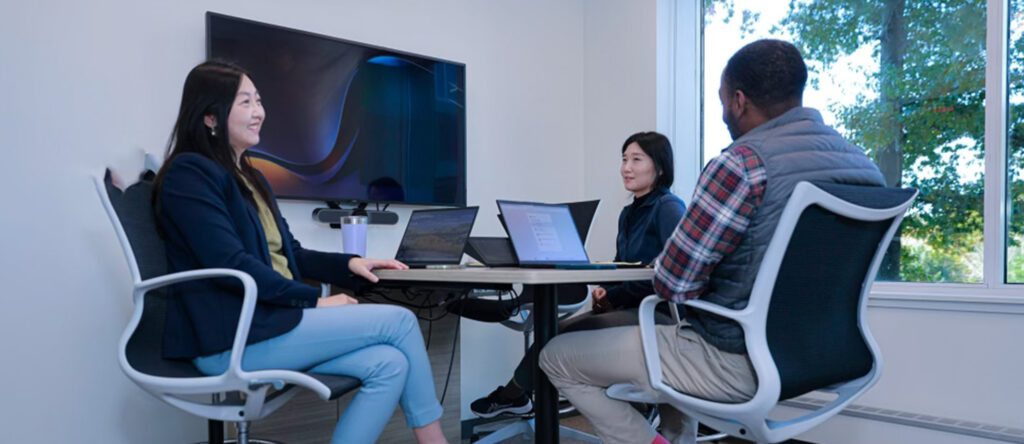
{"x": 658, "y": 439}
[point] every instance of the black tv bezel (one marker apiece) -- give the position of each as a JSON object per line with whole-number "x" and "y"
{"x": 463, "y": 152}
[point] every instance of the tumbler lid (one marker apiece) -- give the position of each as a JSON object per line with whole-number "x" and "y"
{"x": 353, "y": 220}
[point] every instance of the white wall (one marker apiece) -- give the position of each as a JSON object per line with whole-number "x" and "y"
{"x": 617, "y": 87}
{"x": 90, "y": 84}
{"x": 619, "y": 92}
{"x": 954, "y": 364}
{"x": 957, "y": 360}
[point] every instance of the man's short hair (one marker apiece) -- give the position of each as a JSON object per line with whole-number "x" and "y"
{"x": 769, "y": 72}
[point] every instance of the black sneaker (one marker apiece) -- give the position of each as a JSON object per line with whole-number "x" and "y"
{"x": 494, "y": 404}
{"x": 652, "y": 416}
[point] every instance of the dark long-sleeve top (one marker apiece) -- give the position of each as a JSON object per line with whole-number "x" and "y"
{"x": 208, "y": 223}
{"x": 644, "y": 226}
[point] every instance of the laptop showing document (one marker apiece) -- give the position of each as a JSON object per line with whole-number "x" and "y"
{"x": 582, "y": 215}
{"x": 545, "y": 235}
{"x": 436, "y": 237}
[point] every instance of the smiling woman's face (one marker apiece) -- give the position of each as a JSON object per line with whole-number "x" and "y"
{"x": 637, "y": 170}
{"x": 246, "y": 117}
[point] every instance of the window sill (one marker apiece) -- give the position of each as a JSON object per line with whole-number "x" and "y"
{"x": 978, "y": 298}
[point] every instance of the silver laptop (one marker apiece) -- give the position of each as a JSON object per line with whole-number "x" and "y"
{"x": 436, "y": 238}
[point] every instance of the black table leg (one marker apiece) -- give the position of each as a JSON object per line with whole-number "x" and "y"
{"x": 216, "y": 432}
{"x": 545, "y": 322}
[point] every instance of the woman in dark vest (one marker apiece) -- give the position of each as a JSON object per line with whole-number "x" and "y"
{"x": 216, "y": 210}
{"x": 644, "y": 226}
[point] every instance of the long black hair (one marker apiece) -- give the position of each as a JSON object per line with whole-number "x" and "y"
{"x": 210, "y": 90}
{"x": 657, "y": 147}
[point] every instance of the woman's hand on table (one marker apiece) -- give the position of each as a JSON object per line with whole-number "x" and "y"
{"x": 363, "y": 266}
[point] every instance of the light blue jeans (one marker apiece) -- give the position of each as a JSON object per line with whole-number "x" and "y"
{"x": 379, "y": 344}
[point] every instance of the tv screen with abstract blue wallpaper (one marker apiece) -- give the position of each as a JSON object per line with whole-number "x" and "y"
{"x": 348, "y": 121}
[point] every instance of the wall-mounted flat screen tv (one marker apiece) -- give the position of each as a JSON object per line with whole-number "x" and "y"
{"x": 348, "y": 121}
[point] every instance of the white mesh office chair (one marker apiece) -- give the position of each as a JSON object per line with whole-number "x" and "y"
{"x": 804, "y": 324}
{"x": 237, "y": 395}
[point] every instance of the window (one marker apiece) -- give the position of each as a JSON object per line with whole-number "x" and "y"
{"x": 905, "y": 80}
{"x": 1015, "y": 149}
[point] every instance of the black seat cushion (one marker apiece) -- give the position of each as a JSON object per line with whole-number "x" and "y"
{"x": 491, "y": 310}
{"x": 484, "y": 310}
{"x": 145, "y": 347}
{"x": 339, "y": 385}
{"x": 813, "y": 326}
{"x": 134, "y": 210}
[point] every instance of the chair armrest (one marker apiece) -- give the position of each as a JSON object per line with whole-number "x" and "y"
{"x": 649, "y": 340}
{"x": 740, "y": 316}
{"x": 674, "y": 309}
{"x": 183, "y": 276}
{"x": 244, "y": 318}
{"x": 569, "y": 309}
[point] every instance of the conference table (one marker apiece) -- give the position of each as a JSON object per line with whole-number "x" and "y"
{"x": 545, "y": 312}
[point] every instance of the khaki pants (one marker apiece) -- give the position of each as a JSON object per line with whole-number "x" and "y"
{"x": 582, "y": 364}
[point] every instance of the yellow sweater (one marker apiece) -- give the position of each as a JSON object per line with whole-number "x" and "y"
{"x": 273, "y": 235}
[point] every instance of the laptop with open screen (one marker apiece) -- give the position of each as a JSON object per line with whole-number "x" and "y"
{"x": 492, "y": 251}
{"x": 544, "y": 235}
{"x": 436, "y": 237}
{"x": 582, "y": 212}
{"x": 583, "y": 216}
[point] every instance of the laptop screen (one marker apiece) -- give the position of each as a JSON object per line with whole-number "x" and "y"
{"x": 436, "y": 236}
{"x": 542, "y": 233}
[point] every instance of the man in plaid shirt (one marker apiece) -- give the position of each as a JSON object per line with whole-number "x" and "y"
{"x": 715, "y": 251}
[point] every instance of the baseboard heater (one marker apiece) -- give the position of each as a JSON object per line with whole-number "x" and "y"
{"x": 969, "y": 428}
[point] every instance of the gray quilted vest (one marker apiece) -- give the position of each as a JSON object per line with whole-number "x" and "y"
{"x": 794, "y": 147}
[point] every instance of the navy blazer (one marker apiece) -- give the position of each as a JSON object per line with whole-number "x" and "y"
{"x": 643, "y": 230}
{"x": 208, "y": 223}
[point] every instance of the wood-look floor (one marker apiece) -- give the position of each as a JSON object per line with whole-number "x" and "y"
{"x": 580, "y": 423}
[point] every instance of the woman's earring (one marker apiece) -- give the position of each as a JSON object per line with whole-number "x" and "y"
{"x": 213, "y": 131}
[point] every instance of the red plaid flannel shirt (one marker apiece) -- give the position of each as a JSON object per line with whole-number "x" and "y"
{"x": 729, "y": 191}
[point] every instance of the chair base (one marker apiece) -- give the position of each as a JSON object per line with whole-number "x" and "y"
{"x": 715, "y": 437}
{"x": 525, "y": 428}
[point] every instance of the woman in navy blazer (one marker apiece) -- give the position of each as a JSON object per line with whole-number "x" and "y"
{"x": 215, "y": 210}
